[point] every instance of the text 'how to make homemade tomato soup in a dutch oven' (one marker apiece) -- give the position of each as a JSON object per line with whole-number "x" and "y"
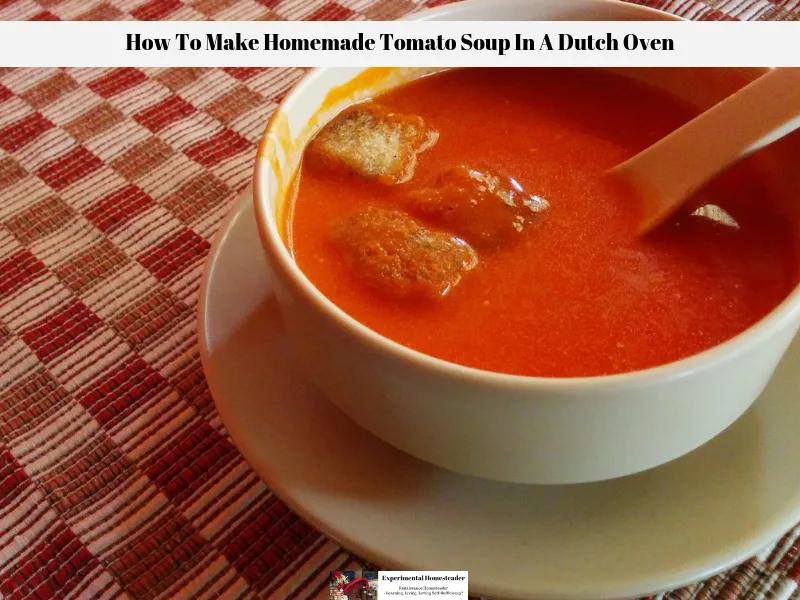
{"x": 466, "y": 215}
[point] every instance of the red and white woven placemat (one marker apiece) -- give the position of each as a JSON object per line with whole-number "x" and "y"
{"x": 117, "y": 478}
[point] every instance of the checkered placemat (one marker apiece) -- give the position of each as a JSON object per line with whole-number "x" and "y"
{"x": 117, "y": 478}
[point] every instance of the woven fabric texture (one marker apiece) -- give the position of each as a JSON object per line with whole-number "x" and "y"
{"x": 117, "y": 478}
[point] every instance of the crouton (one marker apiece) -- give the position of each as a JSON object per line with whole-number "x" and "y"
{"x": 395, "y": 254}
{"x": 478, "y": 204}
{"x": 373, "y": 143}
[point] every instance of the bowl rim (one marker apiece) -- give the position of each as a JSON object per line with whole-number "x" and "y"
{"x": 459, "y": 5}
{"x": 758, "y": 333}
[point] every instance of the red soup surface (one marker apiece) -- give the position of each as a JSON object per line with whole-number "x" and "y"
{"x": 553, "y": 281}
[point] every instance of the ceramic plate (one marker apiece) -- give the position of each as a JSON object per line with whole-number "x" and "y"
{"x": 622, "y": 538}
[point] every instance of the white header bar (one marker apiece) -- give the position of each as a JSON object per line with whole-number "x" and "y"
{"x": 397, "y": 43}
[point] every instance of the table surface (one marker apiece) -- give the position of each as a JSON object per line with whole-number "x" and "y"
{"x": 117, "y": 478}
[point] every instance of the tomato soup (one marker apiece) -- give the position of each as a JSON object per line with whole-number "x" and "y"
{"x": 466, "y": 215}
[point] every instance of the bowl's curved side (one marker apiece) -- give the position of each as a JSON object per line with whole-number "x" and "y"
{"x": 488, "y": 424}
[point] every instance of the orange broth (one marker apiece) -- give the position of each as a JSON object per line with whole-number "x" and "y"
{"x": 580, "y": 294}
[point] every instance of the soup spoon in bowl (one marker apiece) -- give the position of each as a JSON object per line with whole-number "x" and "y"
{"x": 667, "y": 173}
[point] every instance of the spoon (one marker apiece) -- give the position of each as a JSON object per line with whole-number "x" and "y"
{"x": 667, "y": 173}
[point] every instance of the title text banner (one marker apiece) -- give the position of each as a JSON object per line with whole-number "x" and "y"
{"x": 399, "y": 43}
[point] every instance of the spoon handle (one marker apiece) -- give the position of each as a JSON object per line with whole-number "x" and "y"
{"x": 669, "y": 171}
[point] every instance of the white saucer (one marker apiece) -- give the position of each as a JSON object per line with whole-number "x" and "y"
{"x": 629, "y": 537}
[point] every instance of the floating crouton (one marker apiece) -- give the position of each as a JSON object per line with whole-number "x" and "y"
{"x": 478, "y": 204}
{"x": 398, "y": 256}
{"x": 372, "y": 142}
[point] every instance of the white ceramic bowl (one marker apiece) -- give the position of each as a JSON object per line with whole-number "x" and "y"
{"x": 518, "y": 429}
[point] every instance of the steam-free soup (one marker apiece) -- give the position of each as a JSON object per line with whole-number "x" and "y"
{"x": 466, "y": 215}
